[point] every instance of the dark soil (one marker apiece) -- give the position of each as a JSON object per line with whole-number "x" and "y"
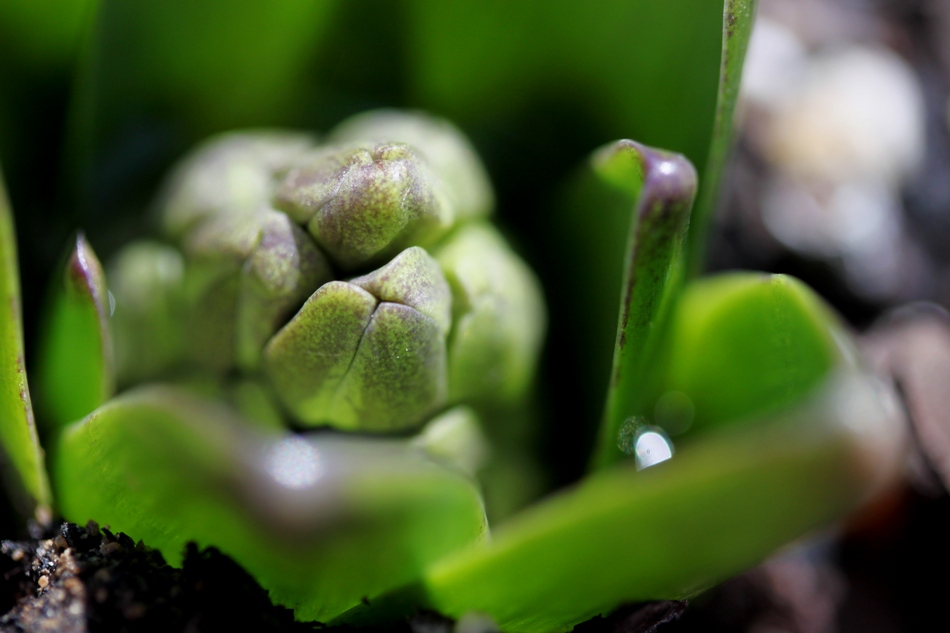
{"x": 87, "y": 579}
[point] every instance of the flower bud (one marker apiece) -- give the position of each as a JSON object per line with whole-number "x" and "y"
{"x": 145, "y": 279}
{"x": 436, "y": 140}
{"x": 499, "y": 319}
{"x": 245, "y": 276}
{"x": 364, "y": 204}
{"x": 232, "y": 175}
{"x": 368, "y": 354}
{"x": 455, "y": 438}
{"x": 277, "y": 277}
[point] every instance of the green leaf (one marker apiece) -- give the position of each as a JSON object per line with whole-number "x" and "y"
{"x": 633, "y": 69}
{"x": 216, "y": 64}
{"x": 715, "y": 508}
{"x": 17, "y": 427}
{"x": 734, "y": 347}
{"x": 663, "y": 186}
{"x": 76, "y": 364}
{"x": 322, "y": 522}
{"x": 738, "y": 17}
{"x": 744, "y": 345}
{"x": 42, "y": 36}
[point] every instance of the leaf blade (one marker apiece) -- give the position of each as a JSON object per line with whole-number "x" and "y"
{"x": 715, "y": 508}
{"x": 652, "y": 276}
{"x": 738, "y": 17}
{"x": 17, "y": 426}
{"x": 322, "y": 522}
{"x": 76, "y": 371}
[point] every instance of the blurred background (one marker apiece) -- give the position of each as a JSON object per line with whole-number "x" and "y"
{"x": 840, "y": 176}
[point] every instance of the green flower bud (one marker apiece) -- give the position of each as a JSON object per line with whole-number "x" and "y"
{"x": 436, "y": 140}
{"x": 232, "y": 174}
{"x": 145, "y": 279}
{"x": 365, "y": 204}
{"x": 455, "y": 438}
{"x": 499, "y": 318}
{"x": 279, "y": 275}
{"x": 260, "y": 218}
{"x": 245, "y": 276}
{"x": 368, "y": 354}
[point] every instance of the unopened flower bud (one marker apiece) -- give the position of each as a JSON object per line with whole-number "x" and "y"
{"x": 232, "y": 174}
{"x": 368, "y": 354}
{"x": 364, "y": 204}
{"x": 498, "y": 314}
{"x": 437, "y": 141}
{"x": 245, "y": 276}
{"x": 145, "y": 279}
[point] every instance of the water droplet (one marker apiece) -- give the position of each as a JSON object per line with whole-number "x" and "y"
{"x": 652, "y": 446}
{"x": 674, "y": 412}
{"x": 111, "y": 303}
{"x": 294, "y": 463}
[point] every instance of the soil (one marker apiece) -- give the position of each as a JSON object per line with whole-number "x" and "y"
{"x": 89, "y": 579}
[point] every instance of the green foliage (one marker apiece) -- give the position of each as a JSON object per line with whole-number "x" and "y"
{"x": 663, "y": 186}
{"x": 355, "y": 282}
{"x": 17, "y": 427}
{"x": 745, "y": 345}
{"x": 668, "y": 532}
{"x": 321, "y": 522}
{"x": 76, "y": 373}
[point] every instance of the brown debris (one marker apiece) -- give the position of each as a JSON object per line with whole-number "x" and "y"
{"x": 913, "y": 346}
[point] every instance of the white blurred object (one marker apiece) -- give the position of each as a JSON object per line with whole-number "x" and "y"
{"x": 859, "y": 114}
{"x": 850, "y": 217}
{"x": 843, "y": 130}
{"x": 774, "y": 63}
{"x": 856, "y": 222}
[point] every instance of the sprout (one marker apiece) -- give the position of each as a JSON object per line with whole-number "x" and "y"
{"x": 359, "y": 285}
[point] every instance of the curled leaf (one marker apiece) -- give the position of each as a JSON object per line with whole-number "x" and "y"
{"x": 663, "y": 186}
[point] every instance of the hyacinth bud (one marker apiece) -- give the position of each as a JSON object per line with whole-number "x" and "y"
{"x": 363, "y": 204}
{"x": 367, "y": 354}
{"x": 232, "y": 175}
{"x": 277, "y": 277}
{"x": 145, "y": 279}
{"x": 245, "y": 277}
{"x": 436, "y": 140}
{"x": 271, "y": 229}
{"x": 499, "y": 319}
